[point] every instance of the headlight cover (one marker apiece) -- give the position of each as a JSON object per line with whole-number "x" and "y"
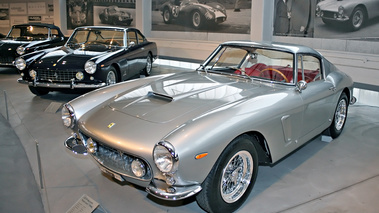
{"x": 165, "y": 157}
{"x": 90, "y": 67}
{"x": 20, "y": 50}
{"x": 68, "y": 116}
{"x": 20, "y": 63}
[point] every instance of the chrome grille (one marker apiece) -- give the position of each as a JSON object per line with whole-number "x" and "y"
{"x": 6, "y": 59}
{"x": 118, "y": 161}
{"x": 56, "y": 75}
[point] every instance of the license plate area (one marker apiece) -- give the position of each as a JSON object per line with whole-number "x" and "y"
{"x": 112, "y": 174}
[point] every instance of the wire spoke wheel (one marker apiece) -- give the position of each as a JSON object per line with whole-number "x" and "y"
{"x": 236, "y": 176}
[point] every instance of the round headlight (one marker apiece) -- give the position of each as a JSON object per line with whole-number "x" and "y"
{"x": 138, "y": 168}
{"x": 68, "y": 116}
{"x": 90, "y": 67}
{"x": 165, "y": 157}
{"x": 20, "y": 50}
{"x": 341, "y": 10}
{"x": 20, "y": 63}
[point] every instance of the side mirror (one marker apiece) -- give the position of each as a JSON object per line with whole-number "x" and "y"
{"x": 301, "y": 85}
{"x": 131, "y": 44}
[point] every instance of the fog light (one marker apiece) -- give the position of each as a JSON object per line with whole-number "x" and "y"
{"x": 33, "y": 73}
{"x": 91, "y": 146}
{"x": 79, "y": 75}
{"x": 92, "y": 78}
{"x": 138, "y": 168}
{"x": 22, "y": 74}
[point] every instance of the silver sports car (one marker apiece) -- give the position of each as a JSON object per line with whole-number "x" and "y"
{"x": 354, "y": 13}
{"x": 203, "y": 133}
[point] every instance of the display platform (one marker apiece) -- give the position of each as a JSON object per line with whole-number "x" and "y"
{"x": 337, "y": 176}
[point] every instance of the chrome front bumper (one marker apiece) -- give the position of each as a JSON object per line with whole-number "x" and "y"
{"x": 173, "y": 192}
{"x": 158, "y": 188}
{"x": 71, "y": 85}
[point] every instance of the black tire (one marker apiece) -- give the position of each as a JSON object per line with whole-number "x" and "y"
{"x": 149, "y": 65}
{"x": 237, "y": 156}
{"x": 167, "y": 18}
{"x": 111, "y": 77}
{"x": 38, "y": 91}
{"x": 339, "y": 117}
{"x": 197, "y": 19}
{"x": 357, "y": 18}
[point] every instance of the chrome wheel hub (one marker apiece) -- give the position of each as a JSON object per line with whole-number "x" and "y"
{"x": 236, "y": 176}
{"x": 340, "y": 116}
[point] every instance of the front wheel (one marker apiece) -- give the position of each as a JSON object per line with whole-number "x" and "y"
{"x": 197, "y": 19}
{"x": 111, "y": 76}
{"x": 232, "y": 177}
{"x": 340, "y": 115}
{"x": 357, "y": 19}
{"x": 167, "y": 16}
{"x": 38, "y": 91}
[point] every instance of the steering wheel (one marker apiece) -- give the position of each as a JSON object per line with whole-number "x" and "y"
{"x": 113, "y": 42}
{"x": 274, "y": 77}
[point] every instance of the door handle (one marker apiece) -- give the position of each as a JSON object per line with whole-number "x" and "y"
{"x": 332, "y": 88}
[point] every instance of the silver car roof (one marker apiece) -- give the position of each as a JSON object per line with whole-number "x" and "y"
{"x": 293, "y": 48}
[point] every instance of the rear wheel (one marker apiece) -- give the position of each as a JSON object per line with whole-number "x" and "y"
{"x": 232, "y": 177}
{"x": 340, "y": 115}
{"x": 149, "y": 65}
{"x": 38, "y": 91}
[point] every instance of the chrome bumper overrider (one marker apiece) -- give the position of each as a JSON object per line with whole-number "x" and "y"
{"x": 173, "y": 192}
{"x": 71, "y": 85}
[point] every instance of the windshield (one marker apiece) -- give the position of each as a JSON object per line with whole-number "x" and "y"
{"x": 28, "y": 33}
{"x": 273, "y": 65}
{"x": 96, "y": 40}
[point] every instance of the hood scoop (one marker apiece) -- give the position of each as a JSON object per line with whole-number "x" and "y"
{"x": 160, "y": 96}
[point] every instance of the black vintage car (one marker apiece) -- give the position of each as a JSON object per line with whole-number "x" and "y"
{"x": 115, "y": 16}
{"x": 93, "y": 57}
{"x": 26, "y": 38}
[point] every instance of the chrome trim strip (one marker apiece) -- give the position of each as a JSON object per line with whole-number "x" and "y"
{"x": 63, "y": 86}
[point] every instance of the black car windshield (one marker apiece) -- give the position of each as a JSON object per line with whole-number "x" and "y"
{"x": 28, "y": 33}
{"x": 273, "y": 65}
{"x": 96, "y": 39}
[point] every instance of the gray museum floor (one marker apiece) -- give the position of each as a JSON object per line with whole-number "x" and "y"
{"x": 37, "y": 174}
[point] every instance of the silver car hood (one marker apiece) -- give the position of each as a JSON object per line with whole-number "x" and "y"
{"x": 168, "y": 99}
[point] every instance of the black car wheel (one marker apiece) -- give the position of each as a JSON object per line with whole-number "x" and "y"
{"x": 38, "y": 91}
{"x": 149, "y": 65}
{"x": 197, "y": 19}
{"x": 358, "y": 18}
{"x": 232, "y": 177}
{"x": 167, "y": 16}
{"x": 340, "y": 115}
{"x": 111, "y": 76}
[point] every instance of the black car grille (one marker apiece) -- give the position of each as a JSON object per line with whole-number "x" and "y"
{"x": 118, "y": 161}
{"x": 328, "y": 14}
{"x": 6, "y": 59}
{"x": 56, "y": 75}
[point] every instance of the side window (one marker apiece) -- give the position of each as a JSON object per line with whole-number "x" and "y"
{"x": 132, "y": 37}
{"x": 140, "y": 37}
{"x": 54, "y": 33}
{"x": 311, "y": 67}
